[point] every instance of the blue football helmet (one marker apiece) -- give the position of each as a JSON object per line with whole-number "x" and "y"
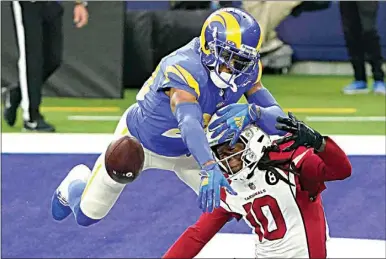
{"x": 254, "y": 140}
{"x": 231, "y": 37}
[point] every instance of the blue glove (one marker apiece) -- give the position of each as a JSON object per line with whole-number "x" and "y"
{"x": 233, "y": 120}
{"x": 212, "y": 179}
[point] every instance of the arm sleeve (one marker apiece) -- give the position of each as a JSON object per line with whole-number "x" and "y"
{"x": 189, "y": 117}
{"x": 269, "y": 111}
{"x": 330, "y": 165}
{"x": 195, "y": 237}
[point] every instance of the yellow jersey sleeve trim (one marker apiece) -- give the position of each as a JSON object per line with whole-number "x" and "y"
{"x": 189, "y": 79}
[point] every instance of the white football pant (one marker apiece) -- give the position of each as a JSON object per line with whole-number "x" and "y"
{"x": 102, "y": 192}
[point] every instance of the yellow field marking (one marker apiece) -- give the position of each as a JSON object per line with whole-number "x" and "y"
{"x": 321, "y": 110}
{"x": 80, "y": 109}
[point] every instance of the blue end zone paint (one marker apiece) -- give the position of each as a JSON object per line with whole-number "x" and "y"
{"x": 153, "y": 211}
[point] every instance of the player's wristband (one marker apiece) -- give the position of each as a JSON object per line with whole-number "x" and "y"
{"x": 262, "y": 98}
{"x": 267, "y": 120}
{"x": 269, "y": 110}
{"x": 321, "y": 147}
{"x": 189, "y": 117}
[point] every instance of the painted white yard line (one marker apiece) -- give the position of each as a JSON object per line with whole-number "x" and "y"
{"x": 93, "y": 118}
{"x": 76, "y": 143}
{"x": 243, "y": 246}
{"x": 345, "y": 119}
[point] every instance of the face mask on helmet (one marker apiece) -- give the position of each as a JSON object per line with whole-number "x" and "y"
{"x": 223, "y": 79}
{"x": 232, "y": 67}
{"x": 229, "y": 42}
{"x": 240, "y": 161}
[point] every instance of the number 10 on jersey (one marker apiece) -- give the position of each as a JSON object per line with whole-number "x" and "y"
{"x": 266, "y": 218}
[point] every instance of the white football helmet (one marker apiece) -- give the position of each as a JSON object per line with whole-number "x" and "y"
{"x": 255, "y": 141}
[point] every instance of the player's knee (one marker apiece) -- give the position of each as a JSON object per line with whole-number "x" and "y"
{"x": 99, "y": 196}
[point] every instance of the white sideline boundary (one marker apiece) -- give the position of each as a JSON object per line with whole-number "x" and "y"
{"x": 243, "y": 245}
{"x": 80, "y": 143}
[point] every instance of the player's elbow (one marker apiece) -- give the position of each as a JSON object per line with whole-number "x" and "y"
{"x": 346, "y": 169}
{"x": 343, "y": 171}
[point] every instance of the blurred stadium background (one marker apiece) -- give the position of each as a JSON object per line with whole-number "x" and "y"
{"x": 103, "y": 67}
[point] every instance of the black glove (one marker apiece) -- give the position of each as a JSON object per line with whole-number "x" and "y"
{"x": 301, "y": 133}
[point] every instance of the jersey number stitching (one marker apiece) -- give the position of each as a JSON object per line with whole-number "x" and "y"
{"x": 259, "y": 221}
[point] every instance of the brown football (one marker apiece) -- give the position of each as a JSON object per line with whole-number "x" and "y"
{"x": 124, "y": 159}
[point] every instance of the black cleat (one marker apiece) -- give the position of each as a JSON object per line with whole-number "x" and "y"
{"x": 39, "y": 125}
{"x": 12, "y": 98}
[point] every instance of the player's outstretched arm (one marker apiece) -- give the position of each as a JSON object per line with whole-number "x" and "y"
{"x": 268, "y": 109}
{"x": 195, "y": 237}
{"x": 262, "y": 110}
{"x": 189, "y": 116}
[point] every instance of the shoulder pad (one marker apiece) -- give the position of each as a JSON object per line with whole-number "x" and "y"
{"x": 184, "y": 72}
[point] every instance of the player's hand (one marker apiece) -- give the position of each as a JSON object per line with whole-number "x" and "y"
{"x": 233, "y": 119}
{"x": 212, "y": 180}
{"x": 302, "y": 135}
{"x": 80, "y": 15}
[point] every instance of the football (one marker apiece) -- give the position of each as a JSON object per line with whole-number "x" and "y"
{"x": 124, "y": 159}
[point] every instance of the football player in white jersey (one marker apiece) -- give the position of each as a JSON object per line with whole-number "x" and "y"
{"x": 278, "y": 185}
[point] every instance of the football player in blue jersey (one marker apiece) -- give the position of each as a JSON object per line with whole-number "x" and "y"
{"x": 173, "y": 108}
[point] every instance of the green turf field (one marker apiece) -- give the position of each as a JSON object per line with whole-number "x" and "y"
{"x": 307, "y": 96}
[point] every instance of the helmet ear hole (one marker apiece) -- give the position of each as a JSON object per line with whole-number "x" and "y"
{"x": 260, "y": 139}
{"x": 206, "y": 46}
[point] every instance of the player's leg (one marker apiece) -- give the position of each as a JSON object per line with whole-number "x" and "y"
{"x": 368, "y": 16}
{"x": 89, "y": 195}
{"x": 352, "y": 30}
{"x": 98, "y": 195}
{"x": 60, "y": 206}
{"x": 269, "y": 14}
{"x": 187, "y": 169}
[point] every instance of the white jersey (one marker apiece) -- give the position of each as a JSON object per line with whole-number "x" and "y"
{"x": 286, "y": 221}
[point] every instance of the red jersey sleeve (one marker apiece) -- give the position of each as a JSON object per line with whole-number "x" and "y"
{"x": 316, "y": 168}
{"x": 195, "y": 237}
{"x": 330, "y": 165}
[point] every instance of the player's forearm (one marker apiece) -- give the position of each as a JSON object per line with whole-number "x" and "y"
{"x": 337, "y": 164}
{"x": 329, "y": 165}
{"x": 267, "y": 120}
{"x": 189, "y": 117}
{"x": 269, "y": 111}
{"x": 186, "y": 246}
{"x": 193, "y": 240}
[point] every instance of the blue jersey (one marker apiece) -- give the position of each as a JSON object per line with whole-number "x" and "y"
{"x": 152, "y": 121}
